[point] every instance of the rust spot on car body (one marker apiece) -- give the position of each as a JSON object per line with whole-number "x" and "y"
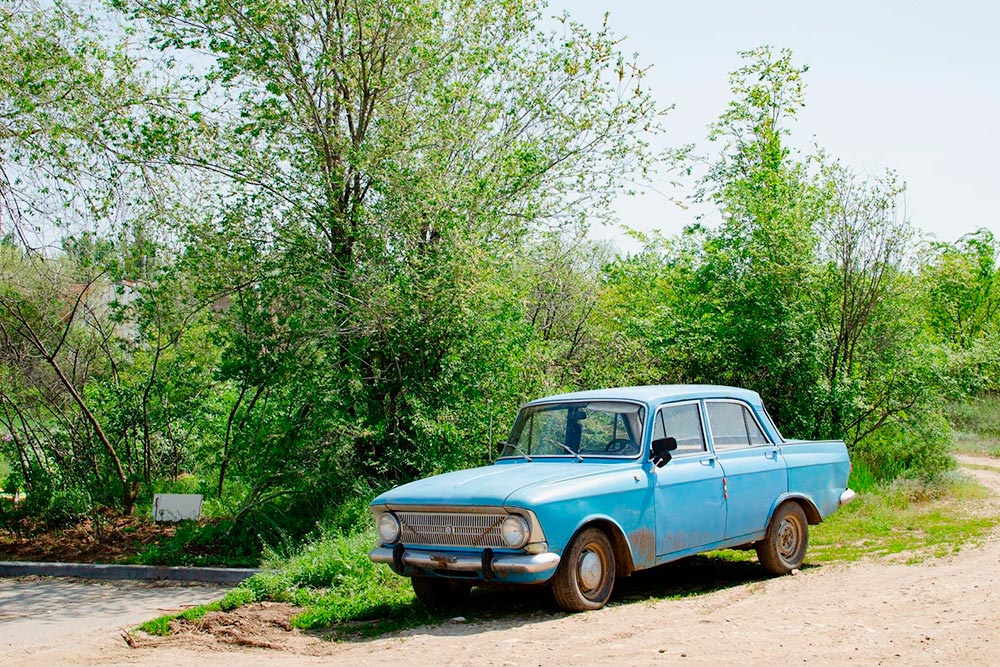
{"x": 643, "y": 543}
{"x": 443, "y": 561}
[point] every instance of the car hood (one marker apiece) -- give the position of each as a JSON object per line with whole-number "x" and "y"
{"x": 489, "y": 485}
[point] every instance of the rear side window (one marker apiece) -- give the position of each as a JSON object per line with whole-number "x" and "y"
{"x": 733, "y": 426}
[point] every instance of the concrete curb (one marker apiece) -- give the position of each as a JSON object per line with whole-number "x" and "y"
{"x": 212, "y": 575}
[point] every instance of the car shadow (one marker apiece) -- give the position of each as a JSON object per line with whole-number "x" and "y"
{"x": 696, "y": 575}
{"x": 512, "y": 607}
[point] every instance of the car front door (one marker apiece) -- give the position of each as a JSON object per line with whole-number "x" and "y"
{"x": 690, "y": 506}
{"x": 754, "y": 469}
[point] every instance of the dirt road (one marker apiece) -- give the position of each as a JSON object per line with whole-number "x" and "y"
{"x": 940, "y": 612}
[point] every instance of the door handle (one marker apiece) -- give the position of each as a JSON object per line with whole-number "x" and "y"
{"x": 708, "y": 462}
{"x": 771, "y": 454}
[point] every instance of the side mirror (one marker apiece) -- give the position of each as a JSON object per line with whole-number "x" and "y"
{"x": 662, "y": 447}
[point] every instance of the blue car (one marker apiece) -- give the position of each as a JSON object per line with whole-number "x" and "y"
{"x": 595, "y": 485}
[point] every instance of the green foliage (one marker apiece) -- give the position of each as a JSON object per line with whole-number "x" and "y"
{"x": 917, "y": 449}
{"x": 222, "y": 542}
{"x": 976, "y": 424}
{"x": 160, "y": 626}
{"x": 962, "y": 301}
{"x": 331, "y": 577}
{"x": 236, "y": 598}
{"x": 731, "y": 305}
{"x": 804, "y": 291}
{"x": 980, "y": 415}
{"x": 345, "y": 585}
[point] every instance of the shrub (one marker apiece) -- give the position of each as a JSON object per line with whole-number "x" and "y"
{"x": 915, "y": 449}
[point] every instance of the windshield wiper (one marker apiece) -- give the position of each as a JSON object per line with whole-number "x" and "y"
{"x": 566, "y": 447}
{"x": 517, "y": 449}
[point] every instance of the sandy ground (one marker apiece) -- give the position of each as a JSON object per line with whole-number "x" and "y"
{"x": 943, "y": 611}
{"x": 46, "y": 620}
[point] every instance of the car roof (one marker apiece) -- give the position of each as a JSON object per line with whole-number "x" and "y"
{"x": 654, "y": 394}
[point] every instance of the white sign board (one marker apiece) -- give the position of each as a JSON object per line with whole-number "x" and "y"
{"x": 176, "y": 506}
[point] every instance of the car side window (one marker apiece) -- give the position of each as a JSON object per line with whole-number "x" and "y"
{"x": 682, "y": 422}
{"x": 753, "y": 430}
{"x": 733, "y": 426}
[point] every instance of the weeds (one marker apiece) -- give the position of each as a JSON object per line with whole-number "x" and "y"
{"x": 161, "y": 626}
{"x": 913, "y": 517}
{"x": 976, "y": 425}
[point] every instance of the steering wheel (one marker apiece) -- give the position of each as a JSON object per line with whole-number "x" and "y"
{"x": 619, "y": 445}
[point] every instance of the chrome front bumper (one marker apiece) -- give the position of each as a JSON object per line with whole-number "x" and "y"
{"x": 501, "y": 563}
{"x": 846, "y": 497}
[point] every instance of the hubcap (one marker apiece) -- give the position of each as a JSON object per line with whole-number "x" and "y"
{"x": 788, "y": 538}
{"x": 591, "y": 570}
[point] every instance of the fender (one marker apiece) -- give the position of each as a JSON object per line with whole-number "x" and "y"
{"x": 808, "y": 506}
{"x": 627, "y": 546}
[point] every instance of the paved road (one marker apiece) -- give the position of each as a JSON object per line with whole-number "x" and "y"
{"x": 39, "y": 615}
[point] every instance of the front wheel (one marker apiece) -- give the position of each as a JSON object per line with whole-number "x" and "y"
{"x": 784, "y": 545}
{"x": 440, "y": 594}
{"x": 586, "y": 574}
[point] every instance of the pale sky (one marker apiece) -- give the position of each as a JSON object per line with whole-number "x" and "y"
{"x": 908, "y": 86}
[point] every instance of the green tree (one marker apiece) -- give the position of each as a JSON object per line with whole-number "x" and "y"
{"x": 75, "y": 111}
{"x": 381, "y": 167}
{"x": 962, "y": 300}
{"x": 737, "y": 311}
{"x": 873, "y": 368}
{"x": 803, "y": 291}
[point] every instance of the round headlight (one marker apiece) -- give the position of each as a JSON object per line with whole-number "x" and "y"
{"x": 515, "y": 531}
{"x": 388, "y": 527}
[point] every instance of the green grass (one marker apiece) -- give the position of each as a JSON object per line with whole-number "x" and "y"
{"x": 909, "y": 519}
{"x": 906, "y": 520}
{"x": 335, "y": 583}
{"x": 237, "y": 597}
{"x": 976, "y": 424}
{"x": 161, "y": 626}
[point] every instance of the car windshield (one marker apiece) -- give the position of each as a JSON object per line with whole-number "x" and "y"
{"x": 577, "y": 429}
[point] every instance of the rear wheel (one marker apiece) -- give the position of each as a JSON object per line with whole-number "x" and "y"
{"x": 586, "y": 574}
{"x": 784, "y": 546}
{"x": 440, "y": 593}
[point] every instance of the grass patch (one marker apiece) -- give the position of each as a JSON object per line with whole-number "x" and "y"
{"x": 206, "y": 543}
{"x": 976, "y": 425}
{"x": 161, "y": 626}
{"x": 335, "y": 583}
{"x": 913, "y": 519}
{"x": 909, "y": 520}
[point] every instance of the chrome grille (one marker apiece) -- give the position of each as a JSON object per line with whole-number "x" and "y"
{"x": 452, "y": 529}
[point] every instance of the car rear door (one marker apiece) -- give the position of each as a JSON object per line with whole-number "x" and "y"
{"x": 754, "y": 470}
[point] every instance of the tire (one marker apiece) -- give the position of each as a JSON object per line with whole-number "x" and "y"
{"x": 784, "y": 546}
{"x": 440, "y": 594}
{"x": 586, "y": 574}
